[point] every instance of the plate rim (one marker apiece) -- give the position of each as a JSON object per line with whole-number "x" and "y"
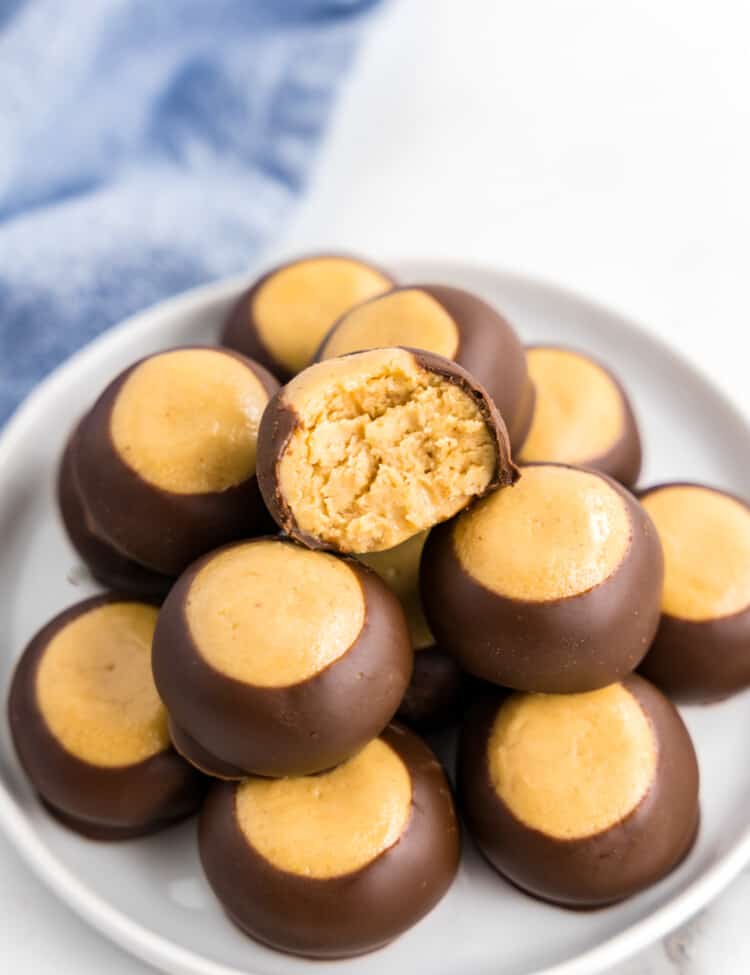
{"x": 162, "y": 952}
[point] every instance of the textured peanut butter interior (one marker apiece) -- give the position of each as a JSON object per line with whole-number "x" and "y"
{"x": 555, "y": 533}
{"x": 297, "y": 304}
{"x": 579, "y": 413}
{"x": 383, "y": 449}
{"x": 328, "y": 825}
{"x": 706, "y": 540}
{"x": 187, "y": 421}
{"x": 399, "y": 569}
{"x": 95, "y": 690}
{"x": 411, "y": 317}
{"x": 272, "y": 614}
{"x": 572, "y": 765}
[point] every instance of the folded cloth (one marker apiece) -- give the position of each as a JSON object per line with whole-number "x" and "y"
{"x": 147, "y": 146}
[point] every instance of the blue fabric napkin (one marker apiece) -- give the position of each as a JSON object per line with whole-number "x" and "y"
{"x": 147, "y": 146}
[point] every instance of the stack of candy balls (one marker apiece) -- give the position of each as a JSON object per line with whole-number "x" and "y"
{"x": 426, "y": 527}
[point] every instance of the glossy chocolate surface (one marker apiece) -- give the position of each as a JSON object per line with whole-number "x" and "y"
{"x": 240, "y": 331}
{"x": 700, "y": 661}
{"x": 556, "y": 646}
{"x": 105, "y": 563}
{"x": 160, "y": 529}
{"x": 607, "y": 866}
{"x": 343, "y": 915}
{"x": 102, "y": 802}
{"x": 437, "y": 692}
{"x": 226, "y": 724}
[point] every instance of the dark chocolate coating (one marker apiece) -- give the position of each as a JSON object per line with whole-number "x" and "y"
{"x": 607, "y": 866}
{"x": 240, "y": 331}
{"x": 624, "y": 458}
{"x": 437, "y": 692}
{"x": 350, "y": 914}
{"x": 276, "y": 731}
{"x": 105, "y": 563}
{"x": 192, "y": 751}
{"x": 488, "y": 348}
{"x": 98, "y": 801}
{"x": 160, "y": 529}
{"x": 280, "y": 420}
{"x": 113, "y": 834}
{"x": 700, "y": 660}
{"x": 557, "y": 646}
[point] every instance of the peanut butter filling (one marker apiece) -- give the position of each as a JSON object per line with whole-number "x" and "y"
{"x": 706, "y": 540}
{"x": 95, "y": 690}
{"x": 572, "y": 765}
{"x": 383, "y": 449}
{"x": 410, "y": 317}
{"x": 297, "y": 304}
{"x": 556, "y": 533}
{"x": 272, "y": 614}
{"x": 579, "y": 413}
{"x": 399, "y": 569}
{"x": 328, "y": 825}
{"x": 187, "y": 421}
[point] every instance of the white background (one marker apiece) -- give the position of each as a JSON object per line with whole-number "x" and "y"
{"x": 604, "y": 145}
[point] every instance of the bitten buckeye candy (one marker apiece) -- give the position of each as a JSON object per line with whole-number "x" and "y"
{"x": 165, "y": 461}
{"x": 553, "y": 585}
{"x": 453, "y": 323}
{"x": 438, "y": 687}
{"x": 275, "y": 660}
{"x": 580, "y": 799}
{"x": 105, "y": 563}
{"x": 336, "y": 864}
{"x": 281, "y": 320}
{"x": 89, "y": 727}
{"x": 359, "y": 453}
{"x": 702, "y": 647}
{"x": 582, "y": 415}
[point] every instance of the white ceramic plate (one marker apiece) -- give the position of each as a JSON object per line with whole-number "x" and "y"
{"x": 149, "y": 895}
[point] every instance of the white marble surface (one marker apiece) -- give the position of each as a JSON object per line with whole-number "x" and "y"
{"x": 603, "y": 145}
